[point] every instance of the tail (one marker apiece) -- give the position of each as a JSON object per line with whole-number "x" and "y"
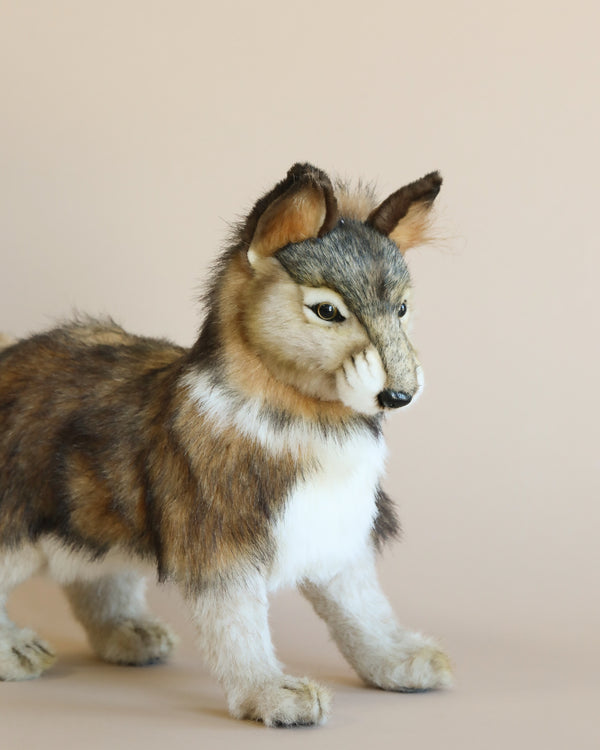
{"x": 6, "y": 341}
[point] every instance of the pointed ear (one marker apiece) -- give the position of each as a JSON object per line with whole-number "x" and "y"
{"x": 404, "y": 215}
{"x": 300, "y": 207}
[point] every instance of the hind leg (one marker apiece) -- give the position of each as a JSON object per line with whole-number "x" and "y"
{"x": 113, "y": 611}
{"x": 23, "y": 654}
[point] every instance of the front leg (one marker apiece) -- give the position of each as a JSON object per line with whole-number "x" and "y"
{"x": 363, "y": 625}
{"x": 234, "y": 638}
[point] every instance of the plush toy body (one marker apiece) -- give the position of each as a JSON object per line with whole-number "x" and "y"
{"x": 249, "y": 462}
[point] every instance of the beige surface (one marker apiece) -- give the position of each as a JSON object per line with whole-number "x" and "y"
{"x": 132, "y": 131}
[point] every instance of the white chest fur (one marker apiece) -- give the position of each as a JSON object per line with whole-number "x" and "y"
{"x": 329, "y": 517}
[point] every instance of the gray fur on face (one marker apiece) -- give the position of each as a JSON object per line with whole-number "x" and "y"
{"x": 359, "y": 263}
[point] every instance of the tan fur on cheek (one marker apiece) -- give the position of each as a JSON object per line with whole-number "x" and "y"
{"x": 249, "y": 369}
{"x": 297, "y": 348}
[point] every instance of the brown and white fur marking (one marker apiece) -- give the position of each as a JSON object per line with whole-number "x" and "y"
{"x": 249, "y": 462}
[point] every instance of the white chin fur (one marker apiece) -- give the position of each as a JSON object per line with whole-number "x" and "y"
{"x": 420, "y": 384}
{"x": 360, "y": 379}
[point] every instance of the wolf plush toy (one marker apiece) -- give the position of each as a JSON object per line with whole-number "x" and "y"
{"x": 249, "y": 462}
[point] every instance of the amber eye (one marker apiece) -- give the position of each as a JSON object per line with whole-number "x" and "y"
{"x": 402, "y": 310}
{"x": 327, "y": 311}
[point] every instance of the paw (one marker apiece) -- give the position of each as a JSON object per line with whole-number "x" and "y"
{"x": 23, "y": 655}
{"x": 288, "y": 702}
{"x": 419, "y": 666}
{"x": 428, "y": 668}
{"x": 133, "y": 642}
{"x": 360, "y": 379}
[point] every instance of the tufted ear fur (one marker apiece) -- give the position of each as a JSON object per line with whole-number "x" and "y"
{"x": 404, "y": 215}
{"x": 299, "y": 207}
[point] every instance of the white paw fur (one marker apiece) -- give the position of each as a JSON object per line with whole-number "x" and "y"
{"x": 286, "y": 702}
{"x": 360, "y": 379}
{"x": 23, "y": 655}
{"x": 414, "y": 664}
{"x": 132, "y": 642}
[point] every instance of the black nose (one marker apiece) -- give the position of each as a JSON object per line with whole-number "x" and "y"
{"x": 393, "y": 399}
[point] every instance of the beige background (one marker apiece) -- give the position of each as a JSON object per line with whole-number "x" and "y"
{"x": 131, "y": 132}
